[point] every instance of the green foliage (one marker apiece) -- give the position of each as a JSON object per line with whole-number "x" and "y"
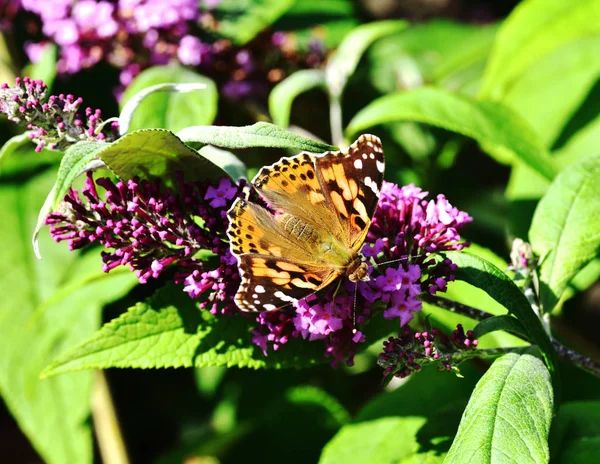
{"x": 501, "y": 133}
{"x": 484, "y": 275}
{"x": 534, "y": 30}
{"x": 565, "y": 232}
{"x": 508, "y": 416}
{"x": 412, "y": 423}
{"x": 346, "y": 58}
{"x": 283, "y": 94}
{"x": 574, "y": 437}
{"x": 261, "y": 134}
{"x": 47, "y": 307}
{"x": 171, "y": 110}
{"x": 524, "y": 88}
{"x": 152, "y": 153}
{"x": 242, "y": 20}
{"x": 169, "y": 330}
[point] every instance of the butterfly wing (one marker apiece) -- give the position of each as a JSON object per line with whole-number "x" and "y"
{"x": 336, "y": 192}
{"x": 352, "y": 180}
{"x": 271, "y": 280}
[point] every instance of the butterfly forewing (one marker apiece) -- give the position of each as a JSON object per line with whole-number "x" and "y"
{"x": 352, "y": 180}
{"x": 325, "y": 204}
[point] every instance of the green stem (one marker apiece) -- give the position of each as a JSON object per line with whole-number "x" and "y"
{"x": 567, "y": 354}
{"x": 106, "y": 424}
{"x": 335, "y": 120}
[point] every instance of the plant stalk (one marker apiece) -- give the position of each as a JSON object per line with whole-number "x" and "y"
{"x": 563, "y": 352}
{"x": 106, "y": 424}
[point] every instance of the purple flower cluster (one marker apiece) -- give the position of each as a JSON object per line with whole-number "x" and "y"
{"x": 135, "y": 34}
{"x": 410, "y": 351}
{"x": 53, "y": 121}
{"x": 89, "y": 31}
{"x": 148, "y": 228}
{"x": 405, "y": 233}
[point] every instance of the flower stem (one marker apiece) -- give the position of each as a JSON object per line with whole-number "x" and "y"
{"x": 106, "y": 423}
{"x": 335, "y": 120}
{"x": 567, "y": 354}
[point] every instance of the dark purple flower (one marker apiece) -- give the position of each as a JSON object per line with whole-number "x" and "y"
{"x": 149, "y": 228}
{"x": 52, "y": 121}
{"x": 406, "y": 230}
{"x": 410, "y": 351}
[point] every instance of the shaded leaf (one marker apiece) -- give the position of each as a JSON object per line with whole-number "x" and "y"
{"x": 174, "y": 102}
{"x": 345, "y": 59}
{"x": 504, "y": 322}
{"x": 565, "y": 231}
{"x": 508, "y": 416}
{"x": 260, "y": 134}
{"x": 47, "y": 306}
{"x": 501, "y": 133}
{"x": 575, "y": 433}
{"x": 242, "y": 20}
{"x": 283, "y": 94}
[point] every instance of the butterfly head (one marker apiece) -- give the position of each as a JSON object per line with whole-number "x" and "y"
{"x": 358, "y": 271}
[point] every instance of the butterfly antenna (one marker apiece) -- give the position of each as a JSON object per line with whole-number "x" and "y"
{"x": 405, "y": 258}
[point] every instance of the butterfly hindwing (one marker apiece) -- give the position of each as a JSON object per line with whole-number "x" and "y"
{"x": 270, "y": 283}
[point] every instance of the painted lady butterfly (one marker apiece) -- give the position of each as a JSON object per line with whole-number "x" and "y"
{"x": 323, "y": 208}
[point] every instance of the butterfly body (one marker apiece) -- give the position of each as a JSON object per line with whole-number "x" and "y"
{"x": 323, "y": 206}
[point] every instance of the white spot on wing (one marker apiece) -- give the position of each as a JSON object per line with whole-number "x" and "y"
{"x": 358, "y": 164}
{"x": 372, "y": 156}
{"x": 380, "y": 166}
{"x": 283, "y": 297}
{"x": 259, "y": 289}
{"x": 269, "y": 307}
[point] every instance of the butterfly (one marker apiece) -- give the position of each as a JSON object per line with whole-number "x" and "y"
{"x": 322, "y": 207}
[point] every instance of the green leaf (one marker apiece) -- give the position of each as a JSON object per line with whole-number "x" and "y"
{"x": 535, "y": 29}
{"x": 172, "y": 110}
{"x": 169, "y": 330}
{"x": 484, "y": 275}
{"x": 13, "y": 144}
{"x": 411, "y": 423}
{"x": 311, "y": 395}
{"x": 152, "y": 153}
{"x": 78, "y": 159}
{"x": 345, "y": 59}
{"x": 260, "y": 134}
{"x": 284, "y": 93}
{"x": 508, "y": 416}
{"x": 47, "y": 306}
{"x": 328, "y": 22}
{"x": 495, "y": 323}
{"x": 575, "y": 434}
{"x": 565, "y": 231}
{"x": 18, "y": 157}
{"x": 548, "y": 104}
{"x": 226, "y": 160}
{"x": 438, "y": 51}
{"x": 242, "y": 20}
{"x": 584, "y": 142}
{"x": 502, "y": 133}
